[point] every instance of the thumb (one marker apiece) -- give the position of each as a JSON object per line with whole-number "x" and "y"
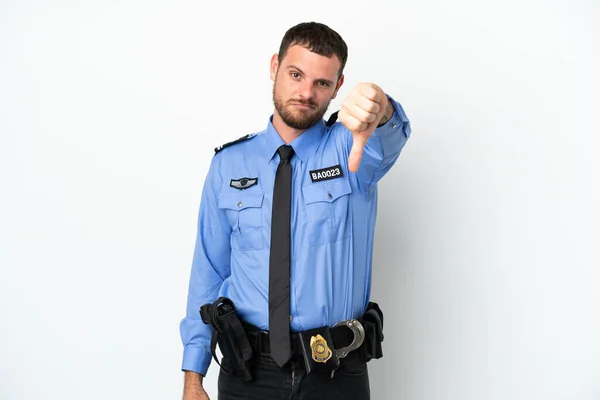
{"x": 358, "y": 145}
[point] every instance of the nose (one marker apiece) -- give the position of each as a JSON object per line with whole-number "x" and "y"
{"x": 305, "y": 90}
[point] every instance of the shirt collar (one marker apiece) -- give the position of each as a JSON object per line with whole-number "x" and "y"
{"x": 304, "y": 145}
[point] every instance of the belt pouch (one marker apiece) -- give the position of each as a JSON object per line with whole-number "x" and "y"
{"x": 372, "y": 322}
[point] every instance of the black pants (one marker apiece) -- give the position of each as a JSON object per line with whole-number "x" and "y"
{"x": 350, "y": 382}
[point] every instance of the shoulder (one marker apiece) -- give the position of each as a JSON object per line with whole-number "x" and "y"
{"x": 226, "y": 155}
{"x": 242, "y": 139}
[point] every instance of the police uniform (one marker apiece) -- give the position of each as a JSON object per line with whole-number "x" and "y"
{"x": 333, "y": 215}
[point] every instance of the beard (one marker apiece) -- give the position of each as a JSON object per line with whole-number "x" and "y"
{"x": 298, "y": 118}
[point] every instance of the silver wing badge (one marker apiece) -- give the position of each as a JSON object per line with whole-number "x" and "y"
{"x": 243, "y": 183}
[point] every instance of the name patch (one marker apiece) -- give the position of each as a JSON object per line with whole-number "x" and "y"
{"x": 243, "y": 183}
{"x": 324, "y": 174}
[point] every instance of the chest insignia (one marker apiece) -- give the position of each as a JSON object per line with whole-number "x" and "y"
{"x": 243, "y": 183}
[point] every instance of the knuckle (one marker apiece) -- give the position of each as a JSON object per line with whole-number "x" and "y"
{"x": 373, "y": 107}
{"x": 367, "y": 116}
{"x": 371, "y": 93}
{"x": 361, "y": 116}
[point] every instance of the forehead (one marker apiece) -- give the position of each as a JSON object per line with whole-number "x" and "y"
{"x": 311, "y": 63}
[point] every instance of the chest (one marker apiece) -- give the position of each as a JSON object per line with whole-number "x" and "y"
{"x": 320, "y": 203}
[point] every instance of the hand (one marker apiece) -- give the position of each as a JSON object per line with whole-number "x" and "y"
{"x": 196, "y": 395}
{"x": 361, "y": 112}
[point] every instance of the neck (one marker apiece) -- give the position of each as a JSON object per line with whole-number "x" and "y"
{"x": 287, "y": 133}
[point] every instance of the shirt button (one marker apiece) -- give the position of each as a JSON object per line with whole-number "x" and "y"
{"x": 240, "y": 204}
{"x": 290, "y": 317}
{"x": 394, "y": 125}
{"x": 329, "y": 195}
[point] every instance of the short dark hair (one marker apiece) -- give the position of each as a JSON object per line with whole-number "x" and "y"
{"x": 318, "y": 38}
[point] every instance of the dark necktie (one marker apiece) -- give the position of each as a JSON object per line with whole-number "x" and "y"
{"x": 279, "y": 264}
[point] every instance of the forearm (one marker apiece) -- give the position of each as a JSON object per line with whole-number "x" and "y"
{"x": 384, "y": 145}
{"x": 192, "y": 383}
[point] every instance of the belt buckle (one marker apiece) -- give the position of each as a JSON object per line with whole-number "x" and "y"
{"x": 359, "y": 336}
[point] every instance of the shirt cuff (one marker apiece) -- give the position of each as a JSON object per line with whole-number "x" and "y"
{"x": 196, "y": 359}
{"x": 398, "y": 121}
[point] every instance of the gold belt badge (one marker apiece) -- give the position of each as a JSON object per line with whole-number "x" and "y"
{"x": 320, "y": 350}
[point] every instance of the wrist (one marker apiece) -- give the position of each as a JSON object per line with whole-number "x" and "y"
{"x": 193, "y": 380}
{"x": 387, "y": 114}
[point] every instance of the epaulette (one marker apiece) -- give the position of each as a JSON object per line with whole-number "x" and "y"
{"x": 243, "y": 138}
{"x": 332, "y": 119}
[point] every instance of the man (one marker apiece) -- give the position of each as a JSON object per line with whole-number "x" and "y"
{"x": 285, "y": 233}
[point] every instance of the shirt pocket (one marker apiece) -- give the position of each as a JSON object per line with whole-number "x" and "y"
{"x": 327, "y": 205}
{"x": 244, "y": 212}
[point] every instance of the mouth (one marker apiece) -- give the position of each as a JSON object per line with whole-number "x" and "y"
{"x": 303, "y": 106}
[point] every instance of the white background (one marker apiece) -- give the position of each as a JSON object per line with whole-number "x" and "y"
{"x": 486, "y": 261}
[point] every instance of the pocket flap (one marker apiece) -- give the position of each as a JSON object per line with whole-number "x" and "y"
{"x": 240, "y": 201}
{"x": 326, "y": 191}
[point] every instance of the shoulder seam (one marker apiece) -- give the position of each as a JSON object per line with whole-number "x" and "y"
{"x": 242, "y": 139}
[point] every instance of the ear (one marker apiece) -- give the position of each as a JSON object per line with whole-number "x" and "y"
{"x": 340, "y": 82}
{"x": 274, "y": 66}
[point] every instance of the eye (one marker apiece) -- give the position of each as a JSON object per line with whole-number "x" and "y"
{"x": 295, "y": 75}
{"x": 323, "y": 83}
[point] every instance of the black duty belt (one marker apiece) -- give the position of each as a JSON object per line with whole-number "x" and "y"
{"x": 322, "y": 348}
{"x": 346, "y": 336}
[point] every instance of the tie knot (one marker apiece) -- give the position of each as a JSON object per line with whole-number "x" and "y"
{"x": 285, "y": 152}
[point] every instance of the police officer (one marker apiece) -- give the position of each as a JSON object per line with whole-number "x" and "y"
{"x": 285, "y": 232}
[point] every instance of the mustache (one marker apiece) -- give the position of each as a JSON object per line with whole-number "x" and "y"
{"x": 304, "y": 102}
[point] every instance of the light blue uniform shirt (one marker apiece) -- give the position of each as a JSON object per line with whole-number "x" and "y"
{"x": 333, "y": 222}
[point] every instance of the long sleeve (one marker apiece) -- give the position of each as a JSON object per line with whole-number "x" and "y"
{"x": 383, "y": 148}
{"x": 210, "y": 266}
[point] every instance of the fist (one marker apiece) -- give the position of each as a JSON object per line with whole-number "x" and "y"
{"x": 360, "y": 113}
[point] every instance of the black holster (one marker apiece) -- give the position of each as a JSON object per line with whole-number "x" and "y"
{"x": 230, "y": 335}
{"x": 372, "y": 322}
